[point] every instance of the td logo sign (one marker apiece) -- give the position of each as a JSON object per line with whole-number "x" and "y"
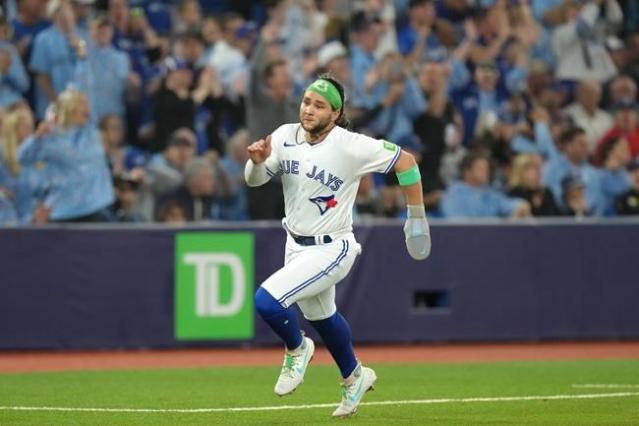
{"x": 213, "y": 285}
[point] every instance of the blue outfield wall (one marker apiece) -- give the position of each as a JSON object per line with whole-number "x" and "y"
{"x": 83, "y": 287}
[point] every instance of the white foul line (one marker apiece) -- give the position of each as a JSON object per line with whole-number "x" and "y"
{"x": 310, "y": 406}
{"x": 604, "y": 386}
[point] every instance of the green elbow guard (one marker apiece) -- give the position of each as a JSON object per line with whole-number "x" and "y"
{"x": 409, "y": 177}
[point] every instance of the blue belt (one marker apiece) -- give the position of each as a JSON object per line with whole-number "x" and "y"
{"x": 311, "y": 241}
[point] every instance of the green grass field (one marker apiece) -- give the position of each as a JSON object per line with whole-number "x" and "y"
{"x": 225, "y": 388}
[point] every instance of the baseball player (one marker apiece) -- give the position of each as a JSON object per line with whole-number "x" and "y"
{"x": 320, "y": 164}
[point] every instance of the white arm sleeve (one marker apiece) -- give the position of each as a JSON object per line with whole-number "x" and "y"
{"x": 259, "y": 174}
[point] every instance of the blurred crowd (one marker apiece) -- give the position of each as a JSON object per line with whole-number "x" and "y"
{"x": 141, "y": 110}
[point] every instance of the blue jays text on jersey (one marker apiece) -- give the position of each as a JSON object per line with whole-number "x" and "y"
{"x": 324, "y": 177}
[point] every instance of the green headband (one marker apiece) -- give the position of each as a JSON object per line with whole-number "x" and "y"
{"x": 328, "y": 91}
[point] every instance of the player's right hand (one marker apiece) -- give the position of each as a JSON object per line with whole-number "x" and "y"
{"x": 259, "y": 151}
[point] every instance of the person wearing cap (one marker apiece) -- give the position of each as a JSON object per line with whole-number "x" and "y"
{"x": 613, "y": 157}
{"x": 472, "y": 197}
{"x": 333, "y": 59}
{"x": 574, "y": 202}
{"x": 200, "y": 195}
{"x": 177, "y": 100}
{"x": 14, "y": 81}
{"x": 166, "y": 169}
{"x": 571, "y": 159}
{"x": 628, "y": 203}
{"x": 626, "y": 125}
{"x": 57, "y": 53}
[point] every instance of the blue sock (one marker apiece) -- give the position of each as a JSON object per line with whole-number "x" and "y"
{"x": 336, "y": 334}
{"x": 283, "y": 321}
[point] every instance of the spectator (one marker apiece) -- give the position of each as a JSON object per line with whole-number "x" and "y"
{"x": 418, "y": 37}
{"x": 199, "y": 195}
{"x": 585, "y": 112}
{"x": 229, "y": 55}
{"x": 622, "y": 87}
{"x": 121, "y": 157}
{"x": 572, "y": 161}
{"x": 176, "y": 102}
{"x": 56, "y": 52}
{"x": 134, "y": 36}
{"x": 189, "y": 16}
{"x": 401, "y": 100}
{"x": 613, "y": 157}
{"x": 628, "y": 203}
{"x": 472, "y": 197}
{"x": 166, "y": 169}
{"x": 83, "y": 11}
{"x": 126, "y": 199}
{"x": 438, "y": 128}
{"x": 626, "y": 125}
{"x": 111, "y": 73}
{"x": 479, "y": 101}
{"x": 172, "y": 212}
{"x": 14, "y": 81}
{"x": 233, "y": 165}
{"x": 525, "y": 183}
{"x": 23, "y": 184}
{"x": 269, "y": 103}
{"x": 579, "y": 45}
{"x": 367, "y": 201}
{"x": 26, "y": 26}
{"x": 74, "y": 163}
{"x": 574, "y": 197}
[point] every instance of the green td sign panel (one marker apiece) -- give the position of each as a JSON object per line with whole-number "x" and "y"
{"x": 213, "y": 285}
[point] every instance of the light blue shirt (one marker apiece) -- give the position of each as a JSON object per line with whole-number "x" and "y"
{"x": 540, "y": 7}
{"x": 75, "y": 167}
{"x": 8, "y": 215}
{"x": 15, "y": 82}
{"x": 238, "y": 209}
{"x": 395, "y": 122}
{"x": 110, "y": 69}
{"x": 361, "y": 62}
{"x": 542, "y": 144}
{"x": 462, "y": 200}
{"x": 613, "y": 183}
{"x": 559, "y": 168}
{"x": 52, "y": 55}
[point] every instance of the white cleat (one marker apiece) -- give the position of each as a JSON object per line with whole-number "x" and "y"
{"x": 294, "y": 368}
{"x": 353, "y": 390}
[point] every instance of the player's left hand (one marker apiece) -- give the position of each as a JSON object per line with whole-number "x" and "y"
{"x": 417, "y": 233}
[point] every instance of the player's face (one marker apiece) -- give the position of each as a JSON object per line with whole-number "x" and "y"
{"x": 316, "y": 113}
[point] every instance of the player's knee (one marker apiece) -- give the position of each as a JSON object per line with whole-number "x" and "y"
{"x": 266, "y": 305}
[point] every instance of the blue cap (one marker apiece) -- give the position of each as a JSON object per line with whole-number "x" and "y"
{"x": 173, "y": 63}
{"x": 247, "y": 29}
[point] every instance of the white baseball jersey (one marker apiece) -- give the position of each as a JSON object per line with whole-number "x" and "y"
{"x": 320, "y": 181}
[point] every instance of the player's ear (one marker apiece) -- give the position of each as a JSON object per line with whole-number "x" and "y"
{"x": 335, "y": 114}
